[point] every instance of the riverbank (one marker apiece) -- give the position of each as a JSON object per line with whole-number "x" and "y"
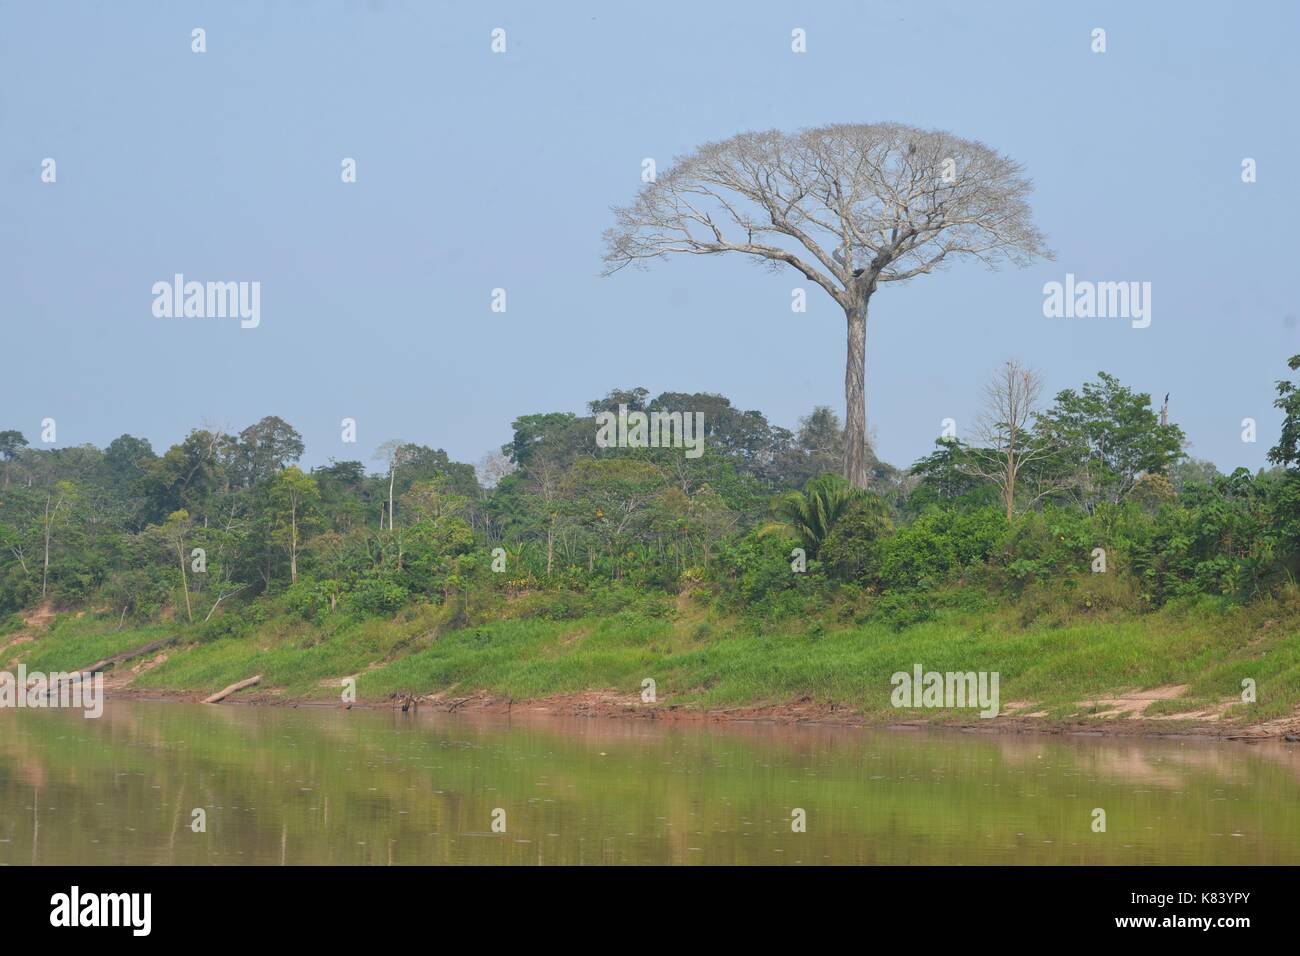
{"x": 610, "y": 705}
{"x": 1205, "y": 668}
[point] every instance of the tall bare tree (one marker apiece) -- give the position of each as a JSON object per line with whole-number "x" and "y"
{"x": 174, "y": 529}
{"x": 1004, "y": 440}
{"x": 869, "y": 203}
{"x": 397, "y": 453}
{"x": 47, "y": 526}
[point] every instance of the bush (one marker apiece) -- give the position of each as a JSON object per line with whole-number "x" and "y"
{"x": 850, "y": 548}
{"x": 1045, "y": 545}
{"x": 756, "y": 568}
{"x": 377, "y": 596}
{"x": 307, "y": 599}
{"x": 938, "y": 545}
{"x": 902, "y": 610}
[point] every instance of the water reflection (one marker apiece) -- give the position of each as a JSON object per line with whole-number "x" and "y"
{"x": 325, "y": 786}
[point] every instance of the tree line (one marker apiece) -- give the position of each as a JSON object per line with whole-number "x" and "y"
{"x": 221, "y": 525}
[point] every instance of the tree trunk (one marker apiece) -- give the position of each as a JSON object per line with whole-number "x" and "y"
{"x": 116, "y": 659}
{"x": 223, "y": 694}
{"x": 49, "y": 521}
{"x": 1009, "y": 486}
{"x": 392, "y": 474}
{"x": 855, "y": 397}
{"x": 45, "y": 571}
{"x": 185, "y": 584}
{"x": 550, "y": 546}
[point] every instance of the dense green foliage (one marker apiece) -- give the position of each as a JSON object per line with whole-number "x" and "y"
{"x": 223, "y": 530}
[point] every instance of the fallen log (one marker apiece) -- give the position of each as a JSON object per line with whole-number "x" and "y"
{"x": 223, "y": 694}
{"x": 116, "y": 659}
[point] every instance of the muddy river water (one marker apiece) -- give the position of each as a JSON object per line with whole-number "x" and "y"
{"x": 159, "y": 783}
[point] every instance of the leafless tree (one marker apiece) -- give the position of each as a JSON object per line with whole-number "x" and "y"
{"x": 1004, "y": 443}
{"x": 47, "y": 527}
{"x": 848, "y": 206}
{"x": 491, "y": 468}
{"x": 395, "y": 453}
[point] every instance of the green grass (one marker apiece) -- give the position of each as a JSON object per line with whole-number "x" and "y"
{"x": 1207, "y": 646}
{"x": 698, "y": 658}
{"x": 74, "y": 641}
{"x": 292, "y": 656}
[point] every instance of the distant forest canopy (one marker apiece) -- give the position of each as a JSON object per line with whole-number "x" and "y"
{"x": 220, "y": 522}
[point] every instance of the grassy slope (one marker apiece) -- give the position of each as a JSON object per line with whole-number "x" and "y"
{"x": 699, "y": 660}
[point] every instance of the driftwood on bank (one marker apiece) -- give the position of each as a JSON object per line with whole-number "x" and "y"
{"x": 223, "y": 694}
{"x": 116, "y": 659}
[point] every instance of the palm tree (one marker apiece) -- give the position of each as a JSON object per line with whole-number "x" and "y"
{"x": 814, "y": 512}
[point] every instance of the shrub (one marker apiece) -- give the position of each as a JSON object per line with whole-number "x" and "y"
{"x": 937, "y": 545}
{"x": 850, "y": 547}
{"x": 378, "y": 596}
{"x": 756, "y": 568}
{"x": 902, "y": 610}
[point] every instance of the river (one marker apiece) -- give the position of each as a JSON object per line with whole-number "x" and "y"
{"x": 282, "y": 785}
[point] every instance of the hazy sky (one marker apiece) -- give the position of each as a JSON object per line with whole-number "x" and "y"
{"x": 478, "y": 170}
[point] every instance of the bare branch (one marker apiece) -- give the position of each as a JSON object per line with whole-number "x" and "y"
{"x": 867, "y": 202}
{"x": 848, "y": 207}
{"x": 1003, "y": 439}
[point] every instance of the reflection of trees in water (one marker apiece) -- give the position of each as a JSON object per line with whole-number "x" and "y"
{"x": 285, "y": 785}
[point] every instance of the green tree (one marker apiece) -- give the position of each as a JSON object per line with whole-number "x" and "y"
{"x": 57, "y": 500}
{"x": 818, "y": 448}
{"x": 944, "y": 476}
{"x": 1287, "y": 454}
{"x": 611, "y": 499}
{"x": 1104, "y": 438}
{"x": 263, "y": 449}
{"x": 295, "y": 497}
{"x": 186, "y": 477}
{"x": 174, "y": 531}
{"x": 1287, "y": 450}
{"x": 11, "y": 444}
{"x": 562, "y": 434}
